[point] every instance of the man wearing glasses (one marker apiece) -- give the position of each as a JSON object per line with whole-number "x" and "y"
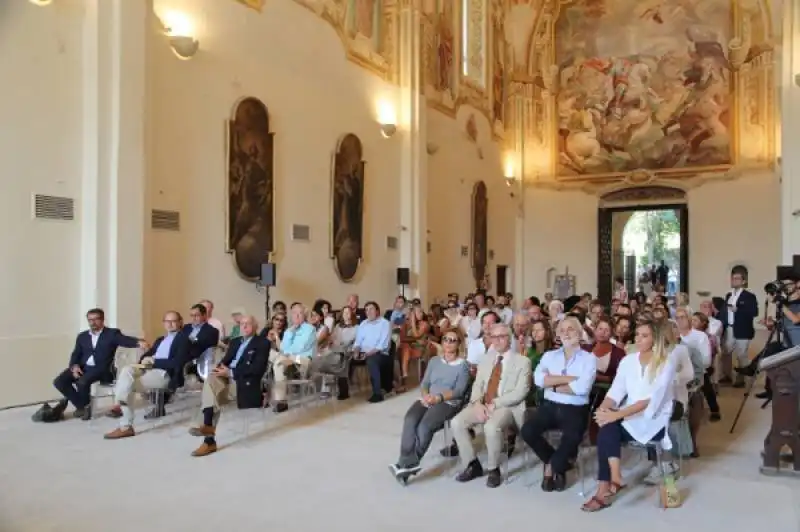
{"x": 497, "y": 400}
{"x": 153, "y": 372}
{"x": 737, "y": 321}
{"x": 566, "y": 375}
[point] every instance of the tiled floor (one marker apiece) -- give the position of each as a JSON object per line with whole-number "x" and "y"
{"x": 324, "y": 470}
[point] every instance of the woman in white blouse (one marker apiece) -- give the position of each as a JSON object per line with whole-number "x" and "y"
{"x": 637, "y": 407}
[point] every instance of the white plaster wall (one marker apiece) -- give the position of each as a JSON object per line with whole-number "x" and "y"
{"x": 295, "y": 63}
{"x": 729, "y": 223}
{"x": 452, "y": 172}
{"x": 40, "y": 152}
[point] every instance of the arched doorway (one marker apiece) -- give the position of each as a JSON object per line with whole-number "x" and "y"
{"x": 639, "y": 227}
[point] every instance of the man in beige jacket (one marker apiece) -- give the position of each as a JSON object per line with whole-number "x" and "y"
{"x": 497, "y": 401}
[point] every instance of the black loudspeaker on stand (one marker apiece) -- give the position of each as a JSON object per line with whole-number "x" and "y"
{"x": 403, "y": 279}
{"x": 269, "y": 276}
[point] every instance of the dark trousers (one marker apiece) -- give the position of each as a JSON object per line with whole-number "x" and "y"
{"x": 381, "y": 373}
{"x": 709, "y": 393}
{"x": 609, "y": 445}
{"x": 419, "y": 426}
{"x": 571, "y": 420}
{"x": 78, "y": 391}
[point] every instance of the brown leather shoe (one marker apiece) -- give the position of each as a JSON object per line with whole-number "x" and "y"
{"x": 115, "y": 412}
{"x": 203, "y": 431}
{"x": 118, "y": 433}
{"x": 205, "y": 449}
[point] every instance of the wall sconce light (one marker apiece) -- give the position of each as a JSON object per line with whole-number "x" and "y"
{"x": 387, "y": 118}
{"x": 178, "y": 29}
{"x": 41, "y": 3}
{"x": 387, "y": 130}
{"x": 508, "y": 172}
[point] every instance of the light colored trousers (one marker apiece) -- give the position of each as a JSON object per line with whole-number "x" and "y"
{"x": 494, "y": 430}
{"x": 217, "y": 391}
{"x": 733, "y": 348}
{"x": 279, "y": 367}
{"x": 132, "y": 380}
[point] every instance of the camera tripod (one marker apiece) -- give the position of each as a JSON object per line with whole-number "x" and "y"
{"x": 776, "y": 336}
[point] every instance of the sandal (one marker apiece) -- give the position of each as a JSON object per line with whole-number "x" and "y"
{"x": 613, "y": 490}
{"x": 595, "y": 504}
{"x": 401, "y": 387}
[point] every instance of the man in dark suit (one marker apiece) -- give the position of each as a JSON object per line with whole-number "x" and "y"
{"x": 243, "y": 366}
{"x": 154, "y": 372}
{"x": 737, "y": 321}
{"x": 203, "y": 338}
{"x": 92, "y": 360}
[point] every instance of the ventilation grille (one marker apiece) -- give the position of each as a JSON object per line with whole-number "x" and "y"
{"x": 391, "y": 242}
{"x": 53, "y": 207}
{"x": 165, "y": 220}
{"x": 301, "y": 233}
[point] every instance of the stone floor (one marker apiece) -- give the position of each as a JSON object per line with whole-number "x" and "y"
{"x": 319, "y": 469}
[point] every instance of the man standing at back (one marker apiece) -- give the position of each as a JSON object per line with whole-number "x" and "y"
{"x": 737, "y": 320}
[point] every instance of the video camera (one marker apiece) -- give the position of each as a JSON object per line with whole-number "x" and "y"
{"x": 777, "y": 289}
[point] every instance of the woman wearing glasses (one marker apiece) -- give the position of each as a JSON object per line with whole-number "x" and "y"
{"x": 443, "y": 388}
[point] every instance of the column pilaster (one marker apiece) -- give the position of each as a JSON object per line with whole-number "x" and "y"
{"x": 789, "y": 132}
{"x": 112, "y": 210}
{"x": 413, "y": 161}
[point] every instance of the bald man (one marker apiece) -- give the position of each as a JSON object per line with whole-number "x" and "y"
{"x": 241, "y": 372}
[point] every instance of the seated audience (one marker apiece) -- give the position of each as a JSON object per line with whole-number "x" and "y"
{"x": 352, "y": 302}
{"x": 620, "y": 292}
{"x": 414, "y": 339}
{"x": 701, "y": 322}
{"x": 154, "y": 371}
{"x": 637, "y": 407}
{"x": 470, "y": 323}
{"x": 478, "y": 348}
{"x": 541, "y": 343}
{"x": 240, "y": 372}
{"x": 92, "y": 360}
{"x": 236, "y": 315}
{"x": 503, "y": 310}
{"x": 274, "y": 331}
{"x": 497, "y": 400}
{"x": 608, "y": 358}
{"x": 344, "y": 336}
{"x": 438, "y": 322}
{"x": 294, "y": 358}
{"x": 214, "y": 322}
{"x": 443, "y": 388}
{"x": 372, "y": 348}
{"x": 203, "y": 339}
{"x": 397, "y": 315}
{"x": 566, "y": 375}
{"x": 279, "y": 307}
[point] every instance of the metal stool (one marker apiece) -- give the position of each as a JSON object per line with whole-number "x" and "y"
{"x": 300, "y": 389}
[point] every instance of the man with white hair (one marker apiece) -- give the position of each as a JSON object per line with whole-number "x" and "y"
{"x": 294, "y": 359}
{"x": 497, "y": 400}
{"x": 241, "y": 371}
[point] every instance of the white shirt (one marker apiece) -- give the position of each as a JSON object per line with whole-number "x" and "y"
{"x": 633, "y": 384}
{"x": 95, "y": 336}
{"x": 699, "y": 342}
{"x": 735, "y": 293}
{"x": 714, "y": 327}
{"x": 476, "y": 350}
{"x": 471, "y": 327}
{"x": 684, "y": 375}
{"x": 506, "y": 315}
{"x": 581, "y": 364}
{"x": 329, "y": 322}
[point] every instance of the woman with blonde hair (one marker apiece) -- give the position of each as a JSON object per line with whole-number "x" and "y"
{"x": 637, "y": 407}
{"x": 443, "y": 389}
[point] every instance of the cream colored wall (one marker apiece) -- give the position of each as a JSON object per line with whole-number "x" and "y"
{"x": 452, "y": 172}
{"x": 40, "y": 152}
{"x": 729, "y": 223}
{"x": 314, "y": 96}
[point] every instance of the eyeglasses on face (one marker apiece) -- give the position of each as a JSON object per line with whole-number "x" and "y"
{"x": 450, "y": 339}
{"x": 498, "y": 336}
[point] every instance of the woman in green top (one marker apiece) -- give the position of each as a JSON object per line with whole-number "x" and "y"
{"x": 541, "y": 342}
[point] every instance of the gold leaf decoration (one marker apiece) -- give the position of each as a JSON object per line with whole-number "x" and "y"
{"x": 258, "y": 5}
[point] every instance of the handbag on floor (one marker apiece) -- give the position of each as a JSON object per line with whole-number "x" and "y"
{"x": 669, "y": 493}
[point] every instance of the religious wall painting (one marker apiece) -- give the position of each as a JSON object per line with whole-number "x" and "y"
{"x": 480, "y": 231}
{"x": 439, "y": 53}
{"x": 644, "y": 85}
{"x": 347, "y": 207}
{"x": 499, "y": 72}
{"x": 364, "y": 19}
{"x": 250, "y": 188}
